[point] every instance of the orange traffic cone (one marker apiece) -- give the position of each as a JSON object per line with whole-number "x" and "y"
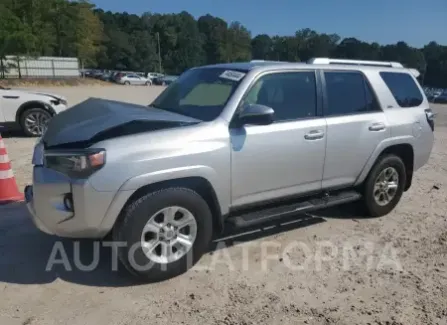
{"x": 9, "y": 191}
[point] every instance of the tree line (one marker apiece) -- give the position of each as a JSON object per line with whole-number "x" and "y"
{"x": 176, "y": 42}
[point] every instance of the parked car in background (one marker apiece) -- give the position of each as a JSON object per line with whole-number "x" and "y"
{"x": 133, "y": 79}
{"x": 154, "y": 75}
{"x": 27, "y": 110}
{"x": 164, "y": 80}
{"x": 440, "y": 99}
{"x": 97, "y": 74}
{"x": 117, "y": 76}
{"x": 433, "y": 93}
{"x": 106, "y": 76}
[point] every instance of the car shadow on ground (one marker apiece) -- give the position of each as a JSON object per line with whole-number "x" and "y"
{"x": 6, "y": 133}
{"x": 26, "y": 252}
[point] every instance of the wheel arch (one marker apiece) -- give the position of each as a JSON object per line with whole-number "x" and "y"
{"x": 403, "y": 150}
{"x": 199, "y": 184}
{"x": 33, "y": 104}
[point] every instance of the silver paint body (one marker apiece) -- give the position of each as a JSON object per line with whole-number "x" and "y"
{"x": 247, "y": 165}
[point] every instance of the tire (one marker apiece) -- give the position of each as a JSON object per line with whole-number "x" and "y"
{"x": 373, "y": 208}
{"x": 148, "y": 83}
{"x": 40, "y": 115}
{"x": 134, "y": 218}
{"x": 127, "y": 83}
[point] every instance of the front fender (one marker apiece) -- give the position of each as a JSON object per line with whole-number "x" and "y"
{"x": 379, "y": 149}
{"x": 169, "y": 174}
{"x": 34, "y": 104}
{"x": 133, "y": 184}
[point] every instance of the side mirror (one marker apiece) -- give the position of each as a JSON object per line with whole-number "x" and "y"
{"x": 256, "y": 114}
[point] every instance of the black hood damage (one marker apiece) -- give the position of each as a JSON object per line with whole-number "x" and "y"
{"x": 98, "y": 119}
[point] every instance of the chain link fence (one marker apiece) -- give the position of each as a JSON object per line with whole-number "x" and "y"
{"x": 12, "y": 67}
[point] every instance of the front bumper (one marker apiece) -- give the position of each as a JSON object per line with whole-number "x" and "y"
{"x": 86, "y": 219}
{"x": 30, "y": 205}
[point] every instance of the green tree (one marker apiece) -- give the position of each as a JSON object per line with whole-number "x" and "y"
{"x": 113, "y": 40}
{"x": 238, "y": 43}
{"x": 87, "y": 33}
{"x": 262, "y": 47}
{"x": 214, "y": 32}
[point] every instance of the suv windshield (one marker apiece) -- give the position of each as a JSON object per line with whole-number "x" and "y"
{"x": 200, "y": 93}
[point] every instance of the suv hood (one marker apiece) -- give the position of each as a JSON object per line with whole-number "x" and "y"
{"x": 97, "y": 119}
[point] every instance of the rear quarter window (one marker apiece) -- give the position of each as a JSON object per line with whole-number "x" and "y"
{"x": 404, "y": 89}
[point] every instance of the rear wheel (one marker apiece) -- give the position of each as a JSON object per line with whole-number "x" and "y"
{"x": 127, "y": 83}
{"x": 34, "y": 121}
{"x": 165, "y": 233}
{"x": 148, "y": 83}
{"x": 385, "y": 185}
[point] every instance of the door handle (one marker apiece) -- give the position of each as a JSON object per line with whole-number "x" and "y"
{"x": 377, "y": 127}
{"x": 314, "y": 135}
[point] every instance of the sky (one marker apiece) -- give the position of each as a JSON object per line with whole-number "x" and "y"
{"x": 416, "y": 22}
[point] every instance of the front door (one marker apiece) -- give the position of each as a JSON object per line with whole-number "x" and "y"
{"x": 286, "y": 157}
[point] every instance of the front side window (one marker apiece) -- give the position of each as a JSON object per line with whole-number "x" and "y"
{"x": 200, "y": 93}
{"x": 348, "y": 93}
{"x": 404, "y": 89}
{"x": 292, "y": 95}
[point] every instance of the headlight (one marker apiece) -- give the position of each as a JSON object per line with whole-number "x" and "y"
{"x": 76, "y": 163}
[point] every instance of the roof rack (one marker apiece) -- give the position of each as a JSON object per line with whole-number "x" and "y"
{"x": 355, "y": 62}
{"x": 254, "y": 61}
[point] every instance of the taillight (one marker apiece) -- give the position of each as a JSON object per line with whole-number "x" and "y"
{"x": 430, "y": 118}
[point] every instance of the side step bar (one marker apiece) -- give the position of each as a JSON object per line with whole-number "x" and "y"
{"x": 261, "y": 216}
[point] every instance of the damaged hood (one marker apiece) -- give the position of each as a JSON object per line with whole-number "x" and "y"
{"x": 98, "y": 119}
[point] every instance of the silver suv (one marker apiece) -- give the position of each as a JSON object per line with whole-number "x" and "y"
{"x": 230, "y": 144}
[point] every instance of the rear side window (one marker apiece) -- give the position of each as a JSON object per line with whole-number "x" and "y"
{"x": 348, "y": 93}
{"x": 404, "y": 89}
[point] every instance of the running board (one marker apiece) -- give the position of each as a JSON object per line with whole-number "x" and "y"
{"x": 261, "y": 216}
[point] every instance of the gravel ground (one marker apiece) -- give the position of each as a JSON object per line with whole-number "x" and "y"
{"x": 329, "y": 268}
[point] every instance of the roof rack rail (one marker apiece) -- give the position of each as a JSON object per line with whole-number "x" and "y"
{"x": 254, "y": 61}
{"x": 355, "y": 62}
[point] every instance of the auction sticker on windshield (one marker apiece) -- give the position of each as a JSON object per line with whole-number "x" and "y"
{"x": 232, "y": 75}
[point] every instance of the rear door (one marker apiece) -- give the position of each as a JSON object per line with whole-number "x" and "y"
{"x": 355, "y": 126}
{"x": 134, "y": 80}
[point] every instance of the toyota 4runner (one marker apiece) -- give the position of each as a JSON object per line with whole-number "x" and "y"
{"x": 238, "y": 144}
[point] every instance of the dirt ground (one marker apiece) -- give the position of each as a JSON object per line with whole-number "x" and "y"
{"x": 328, "y": 268}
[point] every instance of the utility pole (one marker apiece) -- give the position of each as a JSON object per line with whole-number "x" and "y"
{"x": 159, "y": 52}
{"x": 425, "y": 72}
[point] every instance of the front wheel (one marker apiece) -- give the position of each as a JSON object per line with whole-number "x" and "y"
{"x": 385, "y": 185}
{"x": 34, "y": 121}
{"x": 164, "y": 233}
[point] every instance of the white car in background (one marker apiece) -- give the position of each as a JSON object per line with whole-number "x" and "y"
{"x": 133, "y": 79}
{"x": 154, "y": 75}
{"x": 28, "y": 110}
